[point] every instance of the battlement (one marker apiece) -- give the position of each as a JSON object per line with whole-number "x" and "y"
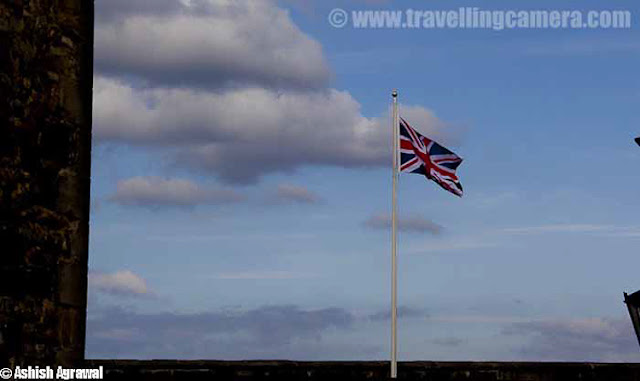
{"x": 363, "y": 370}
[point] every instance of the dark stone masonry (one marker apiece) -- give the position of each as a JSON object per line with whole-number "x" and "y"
{"x": 46, "y": 70}
{"x": 46, "y": 49}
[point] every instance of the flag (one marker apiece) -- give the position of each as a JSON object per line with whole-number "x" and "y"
{"x": 419, "y": 154}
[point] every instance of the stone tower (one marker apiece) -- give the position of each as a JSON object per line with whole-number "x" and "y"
{"x": 46, "y": 69}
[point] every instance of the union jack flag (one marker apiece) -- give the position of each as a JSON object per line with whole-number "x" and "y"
{"x": 419, "y": 154}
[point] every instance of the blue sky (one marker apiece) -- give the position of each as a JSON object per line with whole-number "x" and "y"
{"x": 240, "y": 156}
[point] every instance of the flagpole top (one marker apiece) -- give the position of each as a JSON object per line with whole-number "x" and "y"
{"x": 394, "y": 93}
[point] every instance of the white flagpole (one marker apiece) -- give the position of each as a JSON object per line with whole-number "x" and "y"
{"x": 394, "y": 243}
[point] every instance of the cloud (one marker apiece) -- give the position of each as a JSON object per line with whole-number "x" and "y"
{"x": 112, "y": 10}
{"x": 402, "y": 313}
{"x": 156, "y": 192}
{"x": 407, "y": 224}
{"x": 231, "y": 88}
{"x": 480, "y": 319}
{"x": 595, "y": 339}
{"x": 242, "y": 134}
{"x": 560, "y": 228}
{"x": 309, "y": 7}
{"x": 123, "y": 282}
{"x": 602, "y": 230}
{"x": 296, "y": 193}
{"x": 625, "y": 232}
{"x": 207, "y": 44}
{"x": 282, "y": 331}
{"x": 262, "y": 275}
{"x": 235, "y": 236}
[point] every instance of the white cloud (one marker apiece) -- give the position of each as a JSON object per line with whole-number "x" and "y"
{"x": 208, "y": 43}
{"x": 242, "y": 134}
{"x": 232, "y": 88}
{"x": 156, "y": 192}
{"x": 249, "y": 115}
{"x": 123, "y": 282}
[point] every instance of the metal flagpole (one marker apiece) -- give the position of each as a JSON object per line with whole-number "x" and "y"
{"x": 394, "y": 243}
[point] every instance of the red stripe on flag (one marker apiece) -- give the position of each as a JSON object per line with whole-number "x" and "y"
{"x": 409, "y": 163}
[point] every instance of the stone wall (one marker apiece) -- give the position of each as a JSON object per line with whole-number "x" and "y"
{"x": 353, "y": 371}
{"x": 46, "y": 69}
